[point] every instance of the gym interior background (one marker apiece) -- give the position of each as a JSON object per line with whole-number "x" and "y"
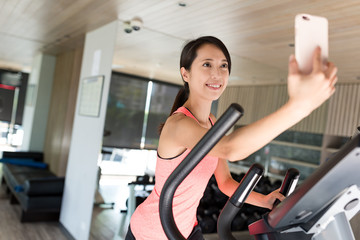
{"x": 42, "y": 59}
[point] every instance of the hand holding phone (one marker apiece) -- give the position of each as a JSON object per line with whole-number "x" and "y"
{"x": 310, "y": 32}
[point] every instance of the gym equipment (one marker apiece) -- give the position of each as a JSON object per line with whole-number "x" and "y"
{"x": 289, "y": 183}
{"x": 322, "y": 206}
{"x": 207, "y": 223}
{"x": 237, "y": 200}
{"x": 319, "y": 209}
{"x": 246, "y": 186}
{"x": 224, "y": 123}
{"x": 214, "y": 201}
{"x": 136, "y": 197}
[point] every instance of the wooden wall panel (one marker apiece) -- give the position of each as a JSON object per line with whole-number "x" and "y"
{"x": 62, "y": 108}
{"x": 243, "y": 96}
{"x": 259, "y": 101}
{"x": 315, "y": 122}
{"x": 344, "y": 110}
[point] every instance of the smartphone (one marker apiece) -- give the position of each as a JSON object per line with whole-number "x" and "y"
{"x": 310, "y": 32}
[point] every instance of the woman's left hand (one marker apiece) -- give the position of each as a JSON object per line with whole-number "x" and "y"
{"x": 271, "y": 198}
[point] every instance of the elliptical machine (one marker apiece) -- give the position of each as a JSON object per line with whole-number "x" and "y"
{"x": 319, "y": 209}
{"x": 322, "y": 206}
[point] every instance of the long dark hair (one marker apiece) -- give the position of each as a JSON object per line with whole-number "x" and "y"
{"x": 188, "y": 54}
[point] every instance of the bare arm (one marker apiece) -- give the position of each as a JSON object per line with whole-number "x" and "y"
{"x": 228, "y": 185}
{"x": 306, "y": 93}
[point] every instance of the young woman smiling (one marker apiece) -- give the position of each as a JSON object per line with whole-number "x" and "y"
{"x": 205, "y": 66}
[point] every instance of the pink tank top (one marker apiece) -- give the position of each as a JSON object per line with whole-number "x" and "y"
{"x": 145, "y": 222}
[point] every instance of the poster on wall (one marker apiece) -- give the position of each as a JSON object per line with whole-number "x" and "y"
{"x": 90, "y": 96}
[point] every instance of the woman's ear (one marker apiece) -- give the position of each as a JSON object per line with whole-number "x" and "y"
{"x": 184, "y": 74}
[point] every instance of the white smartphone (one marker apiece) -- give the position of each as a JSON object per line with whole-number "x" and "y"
{"x": 310, "y": 32}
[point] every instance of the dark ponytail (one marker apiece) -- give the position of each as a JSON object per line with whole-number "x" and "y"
{"x": 180, "y": 99}
{"x": 187, "y": 57}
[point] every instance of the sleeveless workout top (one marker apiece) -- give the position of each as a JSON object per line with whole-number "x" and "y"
{"x": 145, "y": 222}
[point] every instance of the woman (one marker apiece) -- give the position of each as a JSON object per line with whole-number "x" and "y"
{"x": 205, "y": 66}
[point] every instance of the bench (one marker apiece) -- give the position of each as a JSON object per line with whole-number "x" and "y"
{"x": 31, "y": 184}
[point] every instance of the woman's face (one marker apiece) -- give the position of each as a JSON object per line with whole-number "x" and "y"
{"x": 209, "y": 73}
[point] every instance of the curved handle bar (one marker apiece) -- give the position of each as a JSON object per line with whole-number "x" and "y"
{"x": 237, "y": 200}
{"x": 289, "y": 183}
{"x": 224, "y": 123}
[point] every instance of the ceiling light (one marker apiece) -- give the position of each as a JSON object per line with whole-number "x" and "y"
{"x": 134, "y": 24}
{"x": 127, "y": 27}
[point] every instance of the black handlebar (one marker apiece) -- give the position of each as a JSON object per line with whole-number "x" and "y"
{"x": 237, "y": 200}
{"x": 357, "y": 132}
{"x": 289, "y": 183}
{"x": 224, "y": 123}
{"x": 245, "y": 187}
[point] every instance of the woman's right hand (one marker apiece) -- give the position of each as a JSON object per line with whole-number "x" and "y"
{"x": 309, "y": 91}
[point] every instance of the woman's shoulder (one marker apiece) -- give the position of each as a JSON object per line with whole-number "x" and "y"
{"x": 177, "y": 120}
{"x": 171, "y": 135}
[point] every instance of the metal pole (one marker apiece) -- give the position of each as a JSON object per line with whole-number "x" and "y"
{"x": 13, "y": 116}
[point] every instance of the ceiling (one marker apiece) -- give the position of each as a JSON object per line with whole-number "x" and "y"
{"x": 256, "y": 32}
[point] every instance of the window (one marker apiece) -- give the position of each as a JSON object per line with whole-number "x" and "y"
{"x": 136, "y": 107}
{"x": 9, "y": 101}
{"x": 162, "y": 99}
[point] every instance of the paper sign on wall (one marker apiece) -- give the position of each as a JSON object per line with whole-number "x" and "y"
{"x": 90, "y": 98}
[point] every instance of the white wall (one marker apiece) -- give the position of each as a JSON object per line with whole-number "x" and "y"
{"x": 37, "y": 103}
{"x": 85, "y": 147}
